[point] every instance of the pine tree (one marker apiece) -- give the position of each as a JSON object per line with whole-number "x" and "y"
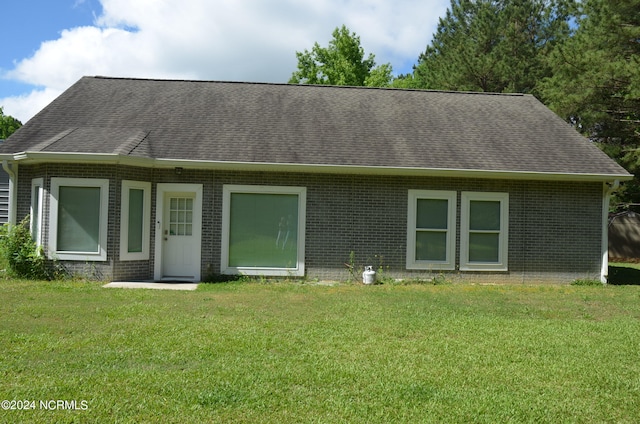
{"x": 493, "y": 45}
{"x": 596, "y": 80}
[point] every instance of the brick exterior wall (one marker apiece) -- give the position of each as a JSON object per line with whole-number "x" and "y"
{"x": 554, "y": 227}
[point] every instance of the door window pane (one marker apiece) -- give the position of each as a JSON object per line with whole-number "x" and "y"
{"x": 78, "y": 219}
{"x": 263, "y": 230}
{"x": 181, "y": 216}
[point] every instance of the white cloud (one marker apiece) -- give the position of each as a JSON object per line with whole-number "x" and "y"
{"x": 248, "y": 40}
{"x": 24, "y": 107}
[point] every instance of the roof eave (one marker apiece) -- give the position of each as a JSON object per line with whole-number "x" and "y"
{"x": 110, "y": 158}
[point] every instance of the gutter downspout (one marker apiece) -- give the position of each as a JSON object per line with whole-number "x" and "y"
{"x": 13, "y": 184}
{"x": 608, "y": 189}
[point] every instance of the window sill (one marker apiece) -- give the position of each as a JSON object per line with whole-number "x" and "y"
{"x": 86, "y": 257}
{"x": 485, "y": 268}
{"x": 266, "y": 272}
{"x": 433, "y": 266}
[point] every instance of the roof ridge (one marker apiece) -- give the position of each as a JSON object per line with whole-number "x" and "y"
{"x": 282, "y": 84}
{"x": 50, "y": 141}
{"x": 130, "y": 144}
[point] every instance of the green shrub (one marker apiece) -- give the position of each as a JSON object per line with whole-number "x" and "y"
{"x": 23, "y": 258}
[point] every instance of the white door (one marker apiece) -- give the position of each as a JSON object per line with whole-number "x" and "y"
{"x": 179, "y": 227}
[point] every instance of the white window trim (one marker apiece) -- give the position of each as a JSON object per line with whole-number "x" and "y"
{"x": 414, "y": 196}
{"x": 125, "y": 255}
{"x": 37, "y": 192}
{"x": 503, "y": 249}
{"x": 227, "y": 190}
{"x": 101, "y": 253}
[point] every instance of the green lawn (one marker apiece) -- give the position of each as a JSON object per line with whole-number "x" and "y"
{"x": 299, "y": 353}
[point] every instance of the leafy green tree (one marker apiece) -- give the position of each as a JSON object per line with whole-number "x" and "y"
{"x": 8, "y": 125}
{"x": 596, "y": 81}
{"x": 343, "y": 62}
{"x": 407, "y": 82}
{"x": 493, "y": 45}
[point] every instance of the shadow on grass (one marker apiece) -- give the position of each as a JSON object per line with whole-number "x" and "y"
{"x": 222, "y": 278}
{"x": 624, "y": 275}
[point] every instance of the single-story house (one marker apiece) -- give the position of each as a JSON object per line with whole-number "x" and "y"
{"x": 142, "y": 179}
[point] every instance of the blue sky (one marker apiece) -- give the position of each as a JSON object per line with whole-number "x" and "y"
{"x": 49, "y": 44}
{"x": 33, "y": 21}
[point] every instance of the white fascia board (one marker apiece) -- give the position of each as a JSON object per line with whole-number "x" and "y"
{"x": 110, "y": 158}
{"x": 53, "y": 157}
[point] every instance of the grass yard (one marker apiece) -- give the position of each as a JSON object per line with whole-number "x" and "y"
{"x": 297, "y": 353}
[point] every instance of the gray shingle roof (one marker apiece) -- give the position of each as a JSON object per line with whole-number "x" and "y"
{"x": 310, "y": 125}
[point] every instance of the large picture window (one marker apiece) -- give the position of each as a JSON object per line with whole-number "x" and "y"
{"x": 263, "y": 230}
{"x": 135, "y": 220}
{"x": 78, "y": 219}
{"x": 484, "y": 231}
{"x": 431, "y": 230}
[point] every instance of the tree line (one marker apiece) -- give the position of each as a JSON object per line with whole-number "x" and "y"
{"x": 581, "y": 58}
{"x": 8, "y": 125}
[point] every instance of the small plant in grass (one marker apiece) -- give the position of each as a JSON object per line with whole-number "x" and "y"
{"x": 434, "y": 280}
{"x": 382, "y": 276}
{"x": 586, "y": 282}
{"x": 352, "y": 268}
{"x": 438, "y": 279}
{"x": 23, "y": 258}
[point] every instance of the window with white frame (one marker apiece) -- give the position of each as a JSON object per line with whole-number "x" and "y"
{"x": 78, "y": 219}
{"x": 431, "y": 232}
{"x": 37, "y": 197}
{"x": 263, "y": 230}
{"x": 484, "y": 231}
{"x": 135, "y": 220}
